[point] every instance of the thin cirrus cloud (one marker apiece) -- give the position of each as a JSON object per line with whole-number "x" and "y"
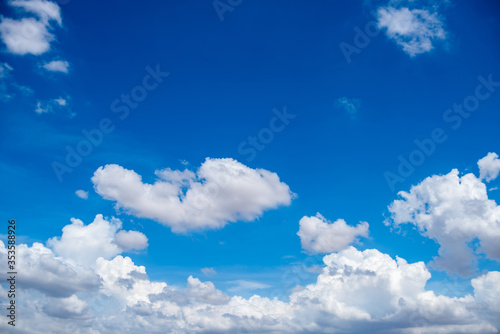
{"x": 8, "y": 86}
{"x": 318, "y": 235}
{"x": 454, "y": 211}
{"x": 30, "y": 35}
{"x": 221, "y": 191}
{"x": 349, "y": 105}
{"x": 416, "y": 31}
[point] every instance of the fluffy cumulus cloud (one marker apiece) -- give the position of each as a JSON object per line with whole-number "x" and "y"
{"x": 355, "y": 292}
{"x": 456, "y": 212}
{"x": 57, "y": 66}
{"x": 221, "y": 191}
{"x": 84, "y": 244}
{"x": 32, "y": 32}
{"x": 318, "y": 235}
{"x": 489, "y": 167}
{"x": 415, "y": 30}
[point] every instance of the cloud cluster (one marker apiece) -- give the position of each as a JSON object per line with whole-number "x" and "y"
{"x": 51, "y": 105}
{"x": 318, "y": 235}
{"x": 356, "y": 292}
{"x": 221, "y": 191}
{"x": 454, "y": 211}
{"x": 416, "y": 31}
{"x": 31, "y": 34}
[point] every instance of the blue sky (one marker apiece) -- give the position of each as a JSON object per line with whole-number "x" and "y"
{"x": 331, "y": 127}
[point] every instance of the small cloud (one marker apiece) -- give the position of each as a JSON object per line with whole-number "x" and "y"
{"x": 244, "y": 285}
{"x": 414, "y": 30}
{"x": 82, "y": 194}
{"x": 489, "y": 167}
{"x": 48, "y": 106}
{"x": 208, "y": 271}
{"x": 184, "y": 162}
{"x": 350, "y": 106}
{"x": 57, "y": 66}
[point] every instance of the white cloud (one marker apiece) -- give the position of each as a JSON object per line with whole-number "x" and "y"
{"x": 454, "y": 211}
{"x": 25, "y": 36}
{"x": 208, "y": 271}
{"x": 84, "y": 244}
{"x": 351, "y": 106}
{"x": 51, "y": 105}
{"x": 356, "y": 291}
{"x": 42, "y": 270}
{"x": 57, "y": 66}
{"x": 131, "y": 240}
{"x": 30, "y": 35}
{"x": 318, "y": 235}
{"x": 489, "y": 167}
{"x": 45, "y": 10}
{"x": 82, "y": 194}
{"x": 67, "y": 308}
{"x": 222, "y": 191}
{"x": 415, "y": 30}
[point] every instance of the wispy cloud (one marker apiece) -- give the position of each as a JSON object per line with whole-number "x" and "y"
{"x": 48, "y": 106}
{"x": 349, "y": 105}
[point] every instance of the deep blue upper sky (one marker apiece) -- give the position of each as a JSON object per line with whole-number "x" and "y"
{"x": 225, "y": 79}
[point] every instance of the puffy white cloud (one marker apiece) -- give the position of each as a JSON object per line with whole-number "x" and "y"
{"x": 30, "y": 35}
{"x": 25, "y": 36}
{"x": 356, "y": 292}
{"x": 66, "y": 308}
{"x": 221, "y": 191}
{"x": 351, "y": 106}
{"x": 454, "y": 211}
{"x": 84, "y": 244}
{"x": 131, "y": 240}
{"x": 57, "y": 66}
{"x": 489, "y": 167}
{"x": 318, "y": 235}
{"x": 82, "y": 194}
{"x": 42, "y": 270}
{"x": 126, "y": 281}
{"x": 415, "y": 30}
